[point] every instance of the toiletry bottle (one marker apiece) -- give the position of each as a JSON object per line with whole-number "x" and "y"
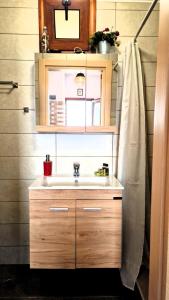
{"x": 47, "y": 166}
{"x": 44, "y": 42}
{"x": 106, "y": 168}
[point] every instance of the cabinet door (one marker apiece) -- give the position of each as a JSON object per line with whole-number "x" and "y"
{"x": 98, "y": 234}
{"x": 52, "y": 234}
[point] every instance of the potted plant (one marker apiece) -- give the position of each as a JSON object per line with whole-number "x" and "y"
{"x": 103, "y": 40}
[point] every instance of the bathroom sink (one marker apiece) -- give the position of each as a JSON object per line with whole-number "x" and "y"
{"x": 52, "y": 181}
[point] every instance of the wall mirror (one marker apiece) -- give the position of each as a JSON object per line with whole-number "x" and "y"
{"x": 77, "y": 101}
{"x": 69, "y": 22}
{"x": 75, "y": 92}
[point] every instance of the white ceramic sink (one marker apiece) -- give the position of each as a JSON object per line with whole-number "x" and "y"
{"x": 52, "y": 181}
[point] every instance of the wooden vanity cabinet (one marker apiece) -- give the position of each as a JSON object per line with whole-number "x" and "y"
{"x": 75, "y": 229}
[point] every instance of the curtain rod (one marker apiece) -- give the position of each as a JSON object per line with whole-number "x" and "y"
{"x": 145, "y": 19}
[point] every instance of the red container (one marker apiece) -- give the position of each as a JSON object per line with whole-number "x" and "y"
{"x": 47, "y": 166}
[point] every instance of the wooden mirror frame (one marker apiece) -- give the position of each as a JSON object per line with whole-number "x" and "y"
{"x": 87, "y": 23}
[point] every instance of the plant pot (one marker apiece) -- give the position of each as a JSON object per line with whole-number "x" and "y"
{"x": 103, "y": 47}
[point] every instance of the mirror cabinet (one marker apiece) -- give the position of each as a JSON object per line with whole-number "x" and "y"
{"x": 74, "y": 93}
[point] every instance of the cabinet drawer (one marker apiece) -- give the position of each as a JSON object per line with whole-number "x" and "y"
{"x": 99, "y": 208}
{"x": 40, "y": 209}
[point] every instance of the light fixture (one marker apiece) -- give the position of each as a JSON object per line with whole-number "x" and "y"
{"x": 80, "y": 78}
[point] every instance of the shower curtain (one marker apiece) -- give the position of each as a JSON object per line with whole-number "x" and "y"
{"x": 132, "y": 165}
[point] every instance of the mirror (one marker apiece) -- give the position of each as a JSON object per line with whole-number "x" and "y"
{"x": 74, "y": 100}
{"x": 74, "y": 91}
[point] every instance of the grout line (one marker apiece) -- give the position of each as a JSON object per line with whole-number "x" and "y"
{"x": 23, "y": 223}
{"x": 15, "y": 33}
{"x": 26, "y": 7}
{"x": 12, "y": 247}
{"x": 17, "y": 109}
{"x": 9, "y": 201}
{"x": 15, "y": 59}
{"x": 18, "y": 179}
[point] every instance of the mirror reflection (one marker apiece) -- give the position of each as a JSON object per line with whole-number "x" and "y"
{"x": 74, "y": 96}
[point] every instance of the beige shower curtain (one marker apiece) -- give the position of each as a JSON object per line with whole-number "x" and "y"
{"x": 132, "y": 165}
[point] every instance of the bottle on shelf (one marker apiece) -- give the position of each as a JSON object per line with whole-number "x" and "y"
{"x": 44, "y": 42}
{"x": 106, "y": 169}
{"x": 47, "y": 166}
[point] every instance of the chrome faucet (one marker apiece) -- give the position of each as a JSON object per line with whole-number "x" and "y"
{"x": 76, "y": 166}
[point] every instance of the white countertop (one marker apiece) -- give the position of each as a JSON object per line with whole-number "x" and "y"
{"x": 57, "y": 182}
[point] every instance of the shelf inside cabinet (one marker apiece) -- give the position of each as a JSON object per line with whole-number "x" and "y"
{"x": 75, "y": 129}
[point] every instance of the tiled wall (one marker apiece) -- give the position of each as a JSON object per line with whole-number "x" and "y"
{"x": 22, "y": 150}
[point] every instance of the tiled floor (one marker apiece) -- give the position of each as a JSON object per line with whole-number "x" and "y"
{"x": 19, "y": 282}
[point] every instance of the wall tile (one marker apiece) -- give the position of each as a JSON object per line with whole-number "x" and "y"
{"x": 15, "y": 121}
{"x": 150, "y": 164}
{"x": 115, "y": 76}
{"x": 119, "y": 98}
{"x": 147, "y": 46}
{"x": 105, "y": 18}
{"x": 88, "y": 165}
{"x": 14, "y": 235}
{"x": 19, "y": 71}
{"x": 17, "y": 98}
{"x": 120, "y": 74}
{"x": 14, "y": 212}
{"x": 115, "y": 164}
{"x": 150, "y": 144}
{"x": 19, "y": 20}
{"x": 103, "y": 5}
{"x": 14, "y": 190}
{"x": 150, "y": 121}
{"x": 19, "y": 3}
{"x": 150, "y": 97}
{"x": 36, "y": 67}
{"x": 22, "y": 167}
{"x": 20, "y": 47}
{"x": 27, "y": 144}
{"x": 133, "y": 5}
{"x": 133, "y": 20}
{"x": 84, "y": 145}
{"x": 115, "y": 144}
{"x": 114, "y": 90}
{"x": 149, "y": 73}
{"x": 14, "y": 255}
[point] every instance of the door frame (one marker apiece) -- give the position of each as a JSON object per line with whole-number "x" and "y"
{"x": 160, "y": 172}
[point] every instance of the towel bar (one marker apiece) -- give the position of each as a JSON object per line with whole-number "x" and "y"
{"x": 14, "y": 84}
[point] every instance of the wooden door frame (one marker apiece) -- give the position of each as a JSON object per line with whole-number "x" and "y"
{"x": 160, "y": 173}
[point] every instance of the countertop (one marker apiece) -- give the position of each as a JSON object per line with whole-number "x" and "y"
{"x": 82, "y": 182}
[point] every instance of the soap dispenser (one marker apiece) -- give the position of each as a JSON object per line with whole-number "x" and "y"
{"x": 47, "y": 166}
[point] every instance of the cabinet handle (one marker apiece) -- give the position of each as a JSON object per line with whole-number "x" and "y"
{"x": 92, "y": 208}
{"x": 58, "y": 208}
